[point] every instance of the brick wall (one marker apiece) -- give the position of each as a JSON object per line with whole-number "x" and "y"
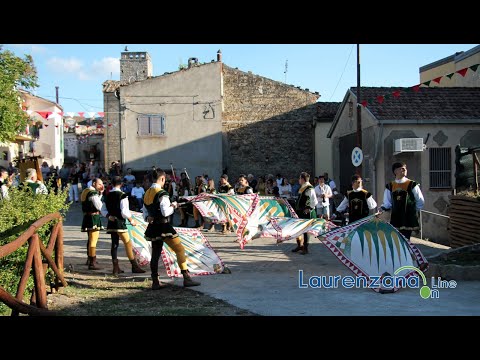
{"x": 267, "y": 126}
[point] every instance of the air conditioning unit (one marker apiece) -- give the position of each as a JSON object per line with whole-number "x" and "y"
{"x": 408, "y": 145}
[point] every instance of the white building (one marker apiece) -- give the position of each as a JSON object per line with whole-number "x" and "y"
{"x": 50, "y": 141}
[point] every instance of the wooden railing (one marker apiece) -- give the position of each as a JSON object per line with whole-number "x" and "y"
{"x": 38, "y": 301}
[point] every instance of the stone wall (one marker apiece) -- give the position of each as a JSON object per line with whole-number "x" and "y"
{"x": 267, "y": 126}
{"x": 112, "y": 150}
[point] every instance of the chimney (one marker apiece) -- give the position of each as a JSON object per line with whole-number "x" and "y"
{"x": 219, "y": 55}
{"x": 192, "y": 61}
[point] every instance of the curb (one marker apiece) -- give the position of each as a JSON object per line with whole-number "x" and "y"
{"x": 454, "y": 272}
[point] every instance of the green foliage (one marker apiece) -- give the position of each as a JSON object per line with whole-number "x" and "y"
{"x": 16, "y": 215}
{"x": 14, "y": 72}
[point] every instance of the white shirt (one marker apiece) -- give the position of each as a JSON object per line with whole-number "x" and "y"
{"x": 417, "y": 193}
{"x": 165, "y": 205}
{"x": 279, "y": 182}
{"x": 138, "y": 192}
{"x": 4, "y": 192}
{"x": 371, "y": 203}
{"x": 311, "y": 194}
{"x": 97, "y": 200}
{"x": 285, "y": 191}
{"x": 319, "y": 191}
{"x": 124, "y": 207}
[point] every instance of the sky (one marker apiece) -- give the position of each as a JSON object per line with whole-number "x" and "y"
{"x": 80, "y": 69}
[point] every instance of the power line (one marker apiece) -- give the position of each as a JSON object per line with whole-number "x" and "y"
{"x": 346, "y": 63}
{"x": 69, "y": 98}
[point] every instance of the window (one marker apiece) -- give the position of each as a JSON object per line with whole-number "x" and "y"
{"x": 440, "y": 168}
{"x": 151, "y": 125}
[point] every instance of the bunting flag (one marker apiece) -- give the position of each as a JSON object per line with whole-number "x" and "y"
{"x": 462, "y": 72}
{"x": 381, "y": 98}
{"x": 44, "y": 114}
{"x": 371, "y": 247}
{"x": 201, "y": 258}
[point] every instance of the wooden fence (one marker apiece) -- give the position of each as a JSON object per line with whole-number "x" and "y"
{"x": 464, "y": 221}
{"x": 38, "y": 301}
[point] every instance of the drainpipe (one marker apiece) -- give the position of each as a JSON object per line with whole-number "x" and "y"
{"x": 120, "y": 116}
{"x": 377, "y": 144}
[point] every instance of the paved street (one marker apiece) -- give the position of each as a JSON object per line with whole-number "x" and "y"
{"x": 265, "y": 280}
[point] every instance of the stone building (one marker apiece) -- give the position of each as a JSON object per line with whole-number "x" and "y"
{"x": 207, "y": 118}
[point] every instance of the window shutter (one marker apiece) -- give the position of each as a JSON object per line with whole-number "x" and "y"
{"x": 143, "y": 126}
{"x": 158, "y": 125}
{"x": 163, "y": 124}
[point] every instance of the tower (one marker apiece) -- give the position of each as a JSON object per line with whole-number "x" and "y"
{"x": 135, "y": 66}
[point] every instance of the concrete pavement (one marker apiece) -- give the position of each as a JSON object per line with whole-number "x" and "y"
{"x": 265, "y": 279}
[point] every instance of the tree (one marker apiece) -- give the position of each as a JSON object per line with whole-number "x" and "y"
{"x": 14, "y": 72}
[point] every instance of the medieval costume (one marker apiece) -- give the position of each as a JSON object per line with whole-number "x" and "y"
{"x": 244, "y": 190}
{"x": 305, "y": 209}
{"x": 92, "y": 224}
{"x": 404, "y": 198}
{"x": 156, "y": 210}
{"x": 116, "y": 210}
{"x": 359, "y": 202}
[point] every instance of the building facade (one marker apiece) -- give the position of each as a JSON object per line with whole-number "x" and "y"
{"x": 208, "y": 118}
{"x": 450, "y": 65}
{"x": 441, "y": 118}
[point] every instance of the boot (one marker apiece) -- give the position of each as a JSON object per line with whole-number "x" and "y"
{"x": 299, "y": 247}
{"x": 92, "y": 263}
{"x": 88, "y": 257}
{"x": 187, "y": 280}
{"x": 135, "y": 268}
{"x": 156, "y": 284}
{"x": 116, "y": 268}
{"x": 305, "y": 249}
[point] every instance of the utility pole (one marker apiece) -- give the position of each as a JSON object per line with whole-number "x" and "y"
{"x": 359, "y": 110}
{"x": 286, "y": 70}
{"x": 56, "y": 93}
